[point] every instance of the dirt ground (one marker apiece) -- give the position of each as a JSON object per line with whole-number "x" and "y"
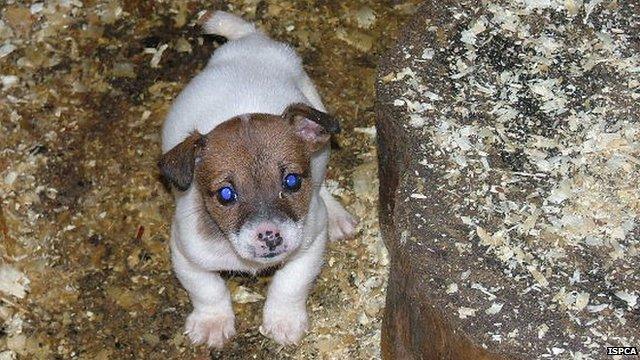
{"x": 84, "y": 217}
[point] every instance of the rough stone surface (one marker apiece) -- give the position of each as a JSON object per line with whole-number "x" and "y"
{"x": 509, "y": 138}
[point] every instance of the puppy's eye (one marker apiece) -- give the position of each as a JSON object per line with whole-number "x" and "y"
{"x": 226, "y": 195}
{"x": 292, "y": 182}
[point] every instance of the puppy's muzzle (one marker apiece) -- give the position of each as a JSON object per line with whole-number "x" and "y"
{"x": 269, "y": 241}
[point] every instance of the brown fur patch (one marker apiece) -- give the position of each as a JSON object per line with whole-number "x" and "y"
{"x": 253, "y": 153}
{"x": 178, "y": 163}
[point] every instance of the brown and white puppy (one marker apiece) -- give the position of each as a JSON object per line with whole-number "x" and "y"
{"x": 250, "y": 156}
{"x": 245, "y": 147}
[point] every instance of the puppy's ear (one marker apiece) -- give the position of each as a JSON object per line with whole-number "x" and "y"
{"x": 177, "y": 164}
{"x": 313, "y": 126}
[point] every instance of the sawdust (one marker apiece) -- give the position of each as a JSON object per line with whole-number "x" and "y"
{"x": 84, "y": 215}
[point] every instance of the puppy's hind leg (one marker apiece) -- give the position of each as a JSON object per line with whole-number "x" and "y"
{"x": 342, "y": 225}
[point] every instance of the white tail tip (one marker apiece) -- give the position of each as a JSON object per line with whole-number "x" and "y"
{"x": 224, "y": 24}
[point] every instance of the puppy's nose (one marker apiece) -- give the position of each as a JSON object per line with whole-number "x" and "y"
{"x": 271, "y": 238}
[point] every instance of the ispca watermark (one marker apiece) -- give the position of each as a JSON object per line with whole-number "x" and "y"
{"x": 622, "y": 350}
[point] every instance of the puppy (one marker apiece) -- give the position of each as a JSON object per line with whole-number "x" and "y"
{"x": 245, "y": 147}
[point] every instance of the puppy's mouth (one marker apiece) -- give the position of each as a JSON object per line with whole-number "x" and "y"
{"x": 273, "y": 254}
{"x": 270, "y": 254}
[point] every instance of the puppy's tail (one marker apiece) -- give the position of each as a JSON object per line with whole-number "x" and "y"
{"x": 224, "y": 24}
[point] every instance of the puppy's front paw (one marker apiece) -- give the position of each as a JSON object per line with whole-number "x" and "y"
{"x": 341, "y": 224}
{"x": 285, "y": 326}
{"x": 214, "y": 329}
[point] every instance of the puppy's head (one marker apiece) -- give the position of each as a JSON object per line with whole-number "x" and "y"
{"x": 254, "y": 175}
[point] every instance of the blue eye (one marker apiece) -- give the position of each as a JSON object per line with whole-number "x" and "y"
{"x": 292, "y": 182}
{"x": 227, "y": 195}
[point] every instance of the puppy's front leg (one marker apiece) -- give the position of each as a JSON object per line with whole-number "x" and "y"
{"x": 285, "y": 317}
{"x": 212, "y": 319}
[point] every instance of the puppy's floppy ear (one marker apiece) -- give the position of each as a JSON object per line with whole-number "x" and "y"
{"x": 177, "y": 164}
{"x": 313, "y": 126}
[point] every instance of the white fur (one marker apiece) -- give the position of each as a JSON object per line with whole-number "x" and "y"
{"x": 249, "y": 74}
{"x": 244, "y": 243}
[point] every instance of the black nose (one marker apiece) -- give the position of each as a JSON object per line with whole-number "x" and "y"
{"x": 271, "y": 239}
